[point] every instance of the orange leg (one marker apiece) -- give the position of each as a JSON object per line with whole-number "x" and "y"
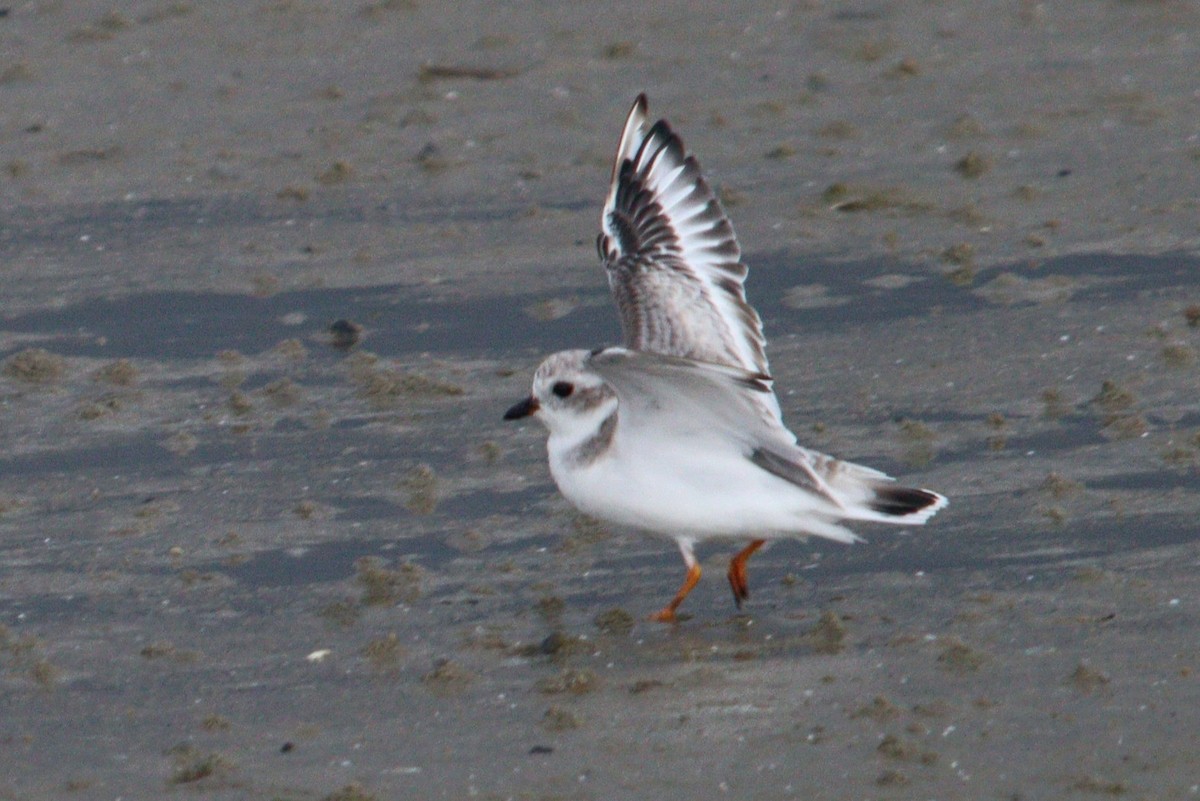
{"x": 667, "y": 613}
{"x": 737, "y": 572}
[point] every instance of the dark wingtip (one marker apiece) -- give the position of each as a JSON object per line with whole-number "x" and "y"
{"x": 523, "y": 409}
{"x": 903, "y": 501}
{"x": 759, "y": 382}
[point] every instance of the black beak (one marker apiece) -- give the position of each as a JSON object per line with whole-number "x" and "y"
{"x": 523, "y": 409}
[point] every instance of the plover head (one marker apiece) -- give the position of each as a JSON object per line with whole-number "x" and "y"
{"x": 569, "y": 398}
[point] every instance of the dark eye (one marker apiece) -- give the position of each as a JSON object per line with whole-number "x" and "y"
{"x": 563, "y": 389}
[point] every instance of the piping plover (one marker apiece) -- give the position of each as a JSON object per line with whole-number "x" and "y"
{"x": 679, "y": 432}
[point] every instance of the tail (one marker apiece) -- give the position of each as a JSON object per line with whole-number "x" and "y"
{"x": 903, "y": 505}
{"x": 865, "y": 493}
{"x": 851, "y": 491}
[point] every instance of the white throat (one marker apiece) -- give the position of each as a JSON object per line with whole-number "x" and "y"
{"x": 578, "y": 438}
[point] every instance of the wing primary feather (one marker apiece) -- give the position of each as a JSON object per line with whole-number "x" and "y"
{"x": 759, "y": 382}
{"x": 794, "y": 472}
{"x": 673, "y": 261}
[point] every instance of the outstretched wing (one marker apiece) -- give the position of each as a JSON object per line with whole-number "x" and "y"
{"x": 672, "y": 258}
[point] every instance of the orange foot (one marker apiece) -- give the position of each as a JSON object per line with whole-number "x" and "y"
{"x": 667, "y": 613}
{"x": 664, "y": 615}
{"x": 737, "y": 572}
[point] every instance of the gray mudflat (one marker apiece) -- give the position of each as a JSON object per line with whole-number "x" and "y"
{"x": 237, "y": 561}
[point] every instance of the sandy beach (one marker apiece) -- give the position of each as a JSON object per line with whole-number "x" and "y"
{"x": 245, "y": 556}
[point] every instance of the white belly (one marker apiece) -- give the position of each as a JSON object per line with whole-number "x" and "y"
{"x": 674, "y": 490}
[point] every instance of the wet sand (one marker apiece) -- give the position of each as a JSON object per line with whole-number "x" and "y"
{"x": 239, "y": 561}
